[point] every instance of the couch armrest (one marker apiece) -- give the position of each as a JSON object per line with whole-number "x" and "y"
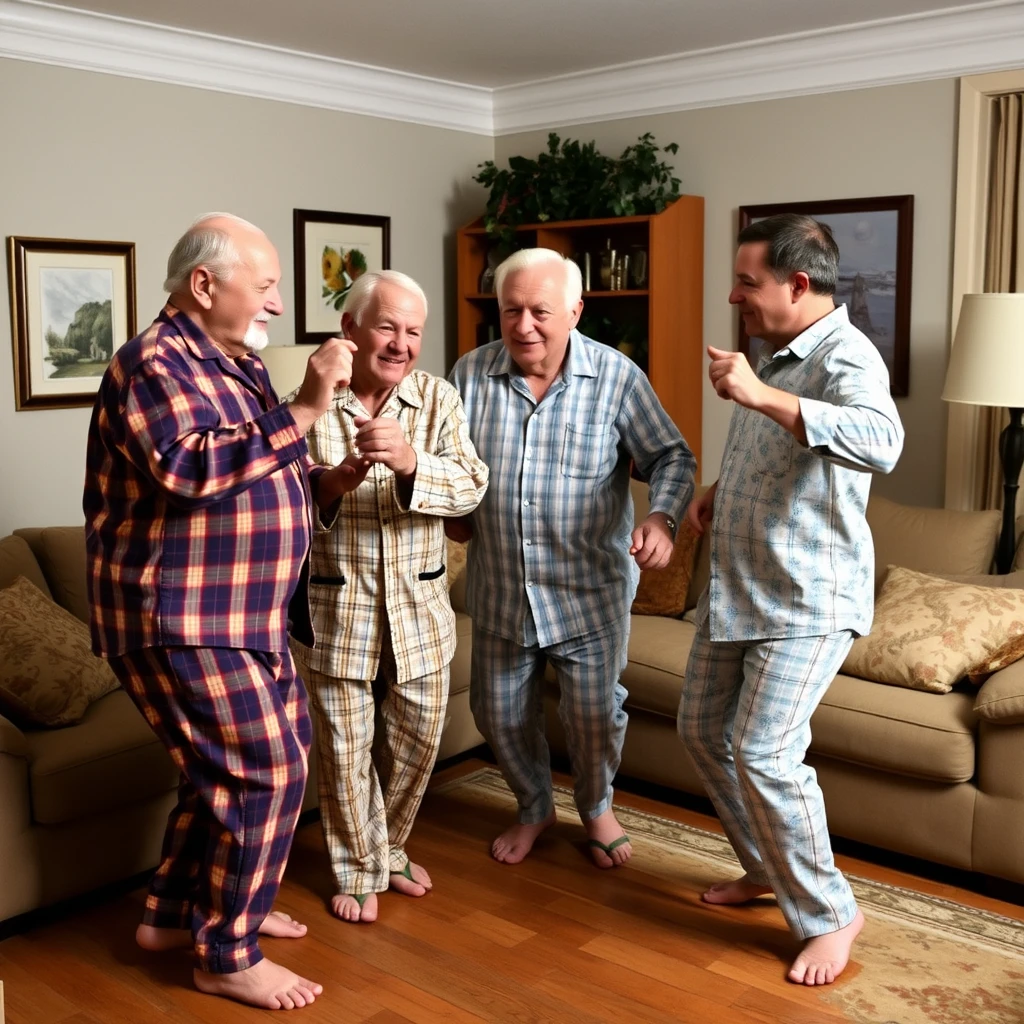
{"x": 12, "y": 739}
{"x": 1001, "y": 699}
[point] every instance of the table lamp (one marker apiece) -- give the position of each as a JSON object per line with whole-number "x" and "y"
{"x": 986, "y": 367}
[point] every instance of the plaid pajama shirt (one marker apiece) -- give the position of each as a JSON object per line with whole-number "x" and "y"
{"x": 792, "y": 576}
{"x": 197, "y": 533}
{"x": 379, "y": 597}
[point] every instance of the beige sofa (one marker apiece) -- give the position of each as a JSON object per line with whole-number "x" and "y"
{"x": 939, "y": 777}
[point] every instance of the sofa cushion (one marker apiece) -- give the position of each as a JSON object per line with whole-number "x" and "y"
{"x": 922, "y": 538}
{"x": 658, "y": 651}
{"x": 62, "y": 558}
{"x": 1010, "y": 652}
{"x": 17, "y": 559}
{"x": 48, "y": 673}
{"x": 109, "y": 759}
{"x": 929, "y": 632}
{"x": 1001, "y": 698}
{"x": 908, "y": 732}
{"x": 664, "y": 591}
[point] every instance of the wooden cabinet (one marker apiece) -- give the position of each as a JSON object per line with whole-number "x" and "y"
{"x": 658, "y": 321}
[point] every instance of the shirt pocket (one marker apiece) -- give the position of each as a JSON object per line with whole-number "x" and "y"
{"x": 773, "y": 447}
{"x": 588, "y": 452}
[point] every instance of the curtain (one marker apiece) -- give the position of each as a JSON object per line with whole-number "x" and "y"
{"x": 1004, "y": 272}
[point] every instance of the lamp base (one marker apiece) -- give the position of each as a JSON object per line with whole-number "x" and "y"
{"x": 1011, "y": 452}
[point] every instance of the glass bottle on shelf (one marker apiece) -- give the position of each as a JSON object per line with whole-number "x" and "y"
{"x": 608, "y": 255}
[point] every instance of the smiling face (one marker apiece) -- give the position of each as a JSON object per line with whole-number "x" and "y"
{"x": 388, "y": 339}
{"x": 535, "y": 319}
{"x": 768, "y": 308}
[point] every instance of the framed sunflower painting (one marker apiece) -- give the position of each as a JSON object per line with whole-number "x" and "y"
{"x": 331, "y": 251}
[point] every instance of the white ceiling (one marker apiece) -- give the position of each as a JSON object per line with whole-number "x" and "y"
{"x": 493, "y": 43}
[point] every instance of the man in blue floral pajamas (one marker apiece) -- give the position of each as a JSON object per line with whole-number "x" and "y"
{"x": 792, "y": 573}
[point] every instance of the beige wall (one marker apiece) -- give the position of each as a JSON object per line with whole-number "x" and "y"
{"x": 873, "y": 142}
{"x": 100, "y": 157}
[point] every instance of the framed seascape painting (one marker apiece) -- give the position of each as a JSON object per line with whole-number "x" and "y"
{"x": 331, "y": 251}
{"x": 72, "y": 305}
{"x": 875, "y": 239}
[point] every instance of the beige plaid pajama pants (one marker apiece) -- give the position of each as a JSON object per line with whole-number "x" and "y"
{"x": 371, "y": 787}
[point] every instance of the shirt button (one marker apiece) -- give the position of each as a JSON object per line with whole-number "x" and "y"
{"x": 526, "y": 501}
{"x": 529, "y": 543}
{"x": 529, "y": 583}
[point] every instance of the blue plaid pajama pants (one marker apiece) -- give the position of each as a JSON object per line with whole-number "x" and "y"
{"x": 507, "y": 699}
{"x": 745, "y": 718}
{"x": 237, "y": 726}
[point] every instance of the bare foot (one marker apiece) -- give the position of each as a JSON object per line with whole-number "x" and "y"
{"x": 158, "y": 940}
{"x": 733, "y": 893}
{"x": 823, "y": 958}
{"x": 605, "y": 829}
{"x": 266, "y": 984}
{"x": 348, "y": 908}
{"x": 419, "y": 885}
{"x": 515, "y": 843}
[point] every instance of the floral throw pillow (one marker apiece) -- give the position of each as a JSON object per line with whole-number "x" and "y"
{"x": 48, "y": 673}
{"x": 928, "y": 633}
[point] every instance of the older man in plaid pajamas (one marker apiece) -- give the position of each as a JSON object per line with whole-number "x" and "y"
{"x": 791, "y": 575}
{"x": 197, "y": 529}
{"x": 555, "y": 559}
{"x": 379, "y": 592}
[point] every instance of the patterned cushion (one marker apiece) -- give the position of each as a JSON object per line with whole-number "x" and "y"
{"x": 48, "y": 673}
{"x": 928, "y": 633}
{"x": 663, "y": 591}
{"x": 1007, "y": 654}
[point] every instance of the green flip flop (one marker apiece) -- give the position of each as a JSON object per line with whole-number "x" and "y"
{"x": 407, "y": 872}
{"x": 607, "y": 849}
{"x": 360, "y": 897}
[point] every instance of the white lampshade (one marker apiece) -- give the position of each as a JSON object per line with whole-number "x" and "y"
{"x": 986, "y": 365}
{"x": 286, "y": 365}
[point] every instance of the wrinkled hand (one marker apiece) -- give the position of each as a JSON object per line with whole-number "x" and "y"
{"x": 459, "y": 529}
{"x": 383, "y": 440}
{"x": 328, "y": 368}
{"x": 346, "y": 476}
{"x": 652, "y": 543}
{"x": 701, "y": 511}
{"x": 732, "y": 377}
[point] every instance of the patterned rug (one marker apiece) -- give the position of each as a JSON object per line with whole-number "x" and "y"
{"x": 922, "y": 960}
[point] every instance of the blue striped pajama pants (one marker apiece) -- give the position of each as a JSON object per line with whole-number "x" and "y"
{"x": 745, "y": 718}
{"x": 507, "y": 698}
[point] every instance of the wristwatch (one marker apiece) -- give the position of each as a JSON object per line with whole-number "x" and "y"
{"x": 673, "y": 526}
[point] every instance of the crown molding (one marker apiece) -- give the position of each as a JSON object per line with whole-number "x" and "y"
{"x": 49, "y": 34}
{"x": 944, "y": 44}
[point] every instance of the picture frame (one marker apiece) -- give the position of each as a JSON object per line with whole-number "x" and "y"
{"x": 875, "y": 238}
{"x": 330, "y": 251}
{"x": 72, "y": 307}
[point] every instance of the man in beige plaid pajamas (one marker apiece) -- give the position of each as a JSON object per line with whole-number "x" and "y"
{"x": 378, "y": 590}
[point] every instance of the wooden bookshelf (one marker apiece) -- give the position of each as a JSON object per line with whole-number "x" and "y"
{"x": 670, "y": 307}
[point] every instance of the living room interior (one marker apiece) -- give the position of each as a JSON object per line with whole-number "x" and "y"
{"x": 121, "y": 126}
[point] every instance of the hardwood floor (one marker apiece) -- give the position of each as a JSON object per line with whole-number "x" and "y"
{"x": 554, "y": 940}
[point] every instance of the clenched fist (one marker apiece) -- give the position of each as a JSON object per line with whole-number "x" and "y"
{"x": 383, "y": 440}
{"x": 328, "y": 368}
{"x": 732, "y": 377}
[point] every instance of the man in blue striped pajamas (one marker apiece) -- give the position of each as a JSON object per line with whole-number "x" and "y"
{"x": 792, "y": 575}
{"x": 555, "y": 559}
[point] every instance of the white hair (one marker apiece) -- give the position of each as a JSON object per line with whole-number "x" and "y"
{"x": 524, "y": 259}
{"x": 366, "y": 285}
{"x": 203, "y": 245}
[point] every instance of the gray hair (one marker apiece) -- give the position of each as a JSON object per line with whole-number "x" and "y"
{"x": 797, "y": 243}
{"x": 524, "y": 259}
{"x": 366, "y": 285}
{"x": 203, "y": 245}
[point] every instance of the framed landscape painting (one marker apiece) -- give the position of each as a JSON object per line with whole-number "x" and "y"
{"x": 72, "y": 306}
{"x": 332, "y": 250}
{"x": 875, "y": 239}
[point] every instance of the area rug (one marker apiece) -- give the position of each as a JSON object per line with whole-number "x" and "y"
{"x": 923, "y": 960}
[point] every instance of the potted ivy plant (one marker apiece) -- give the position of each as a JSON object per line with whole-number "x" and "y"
{"x": 572, "y": 180}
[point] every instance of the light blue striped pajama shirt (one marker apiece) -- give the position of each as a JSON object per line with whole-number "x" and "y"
{"x": 549, "y": 567}
{"x": 792, "y": 583}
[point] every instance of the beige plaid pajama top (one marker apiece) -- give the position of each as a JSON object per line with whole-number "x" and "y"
{"x": 377, "y": 556}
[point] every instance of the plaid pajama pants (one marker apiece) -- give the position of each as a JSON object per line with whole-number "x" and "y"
{"x": 371, "y": 787}
{"x": 236, "y": 724}
{"x": 745, "y": 718}
{"x": 507, "y": 698}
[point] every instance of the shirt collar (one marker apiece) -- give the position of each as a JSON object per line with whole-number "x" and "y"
{"x": 577, "y": 362}
{"x": 807, "y": 341}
